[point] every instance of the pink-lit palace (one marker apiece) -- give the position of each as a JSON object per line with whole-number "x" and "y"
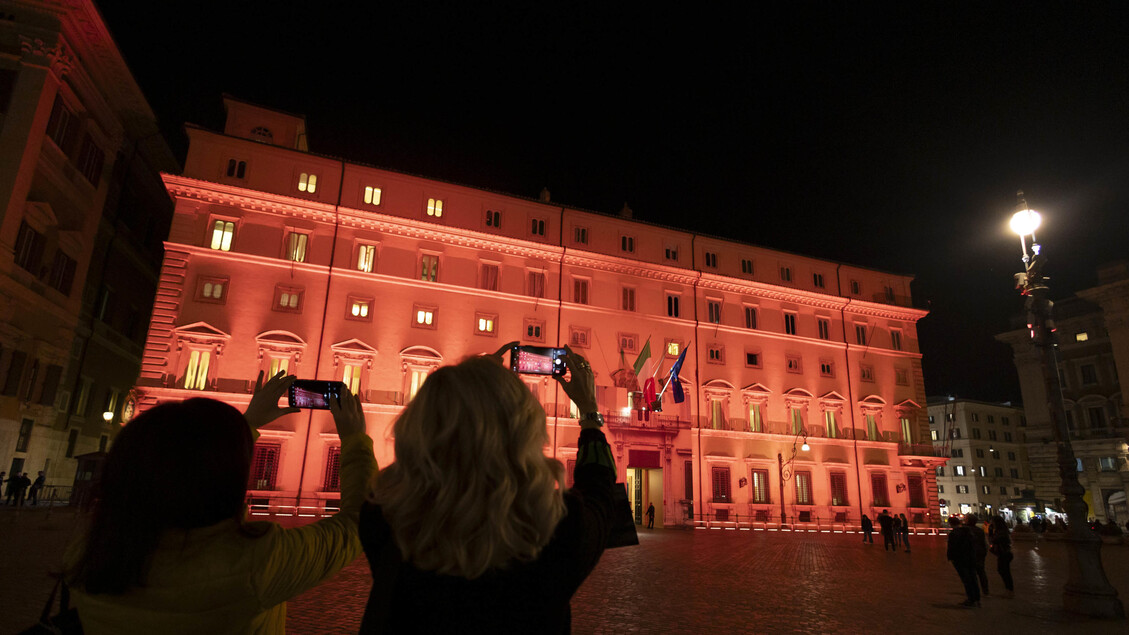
{"x": 282, "y": 259}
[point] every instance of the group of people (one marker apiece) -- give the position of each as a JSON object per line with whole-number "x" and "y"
{"x": 968, "y": 549}
{"x": 470, "y": 529}
{"x": 20, "y": 486}
{"x": 894, "y": 528}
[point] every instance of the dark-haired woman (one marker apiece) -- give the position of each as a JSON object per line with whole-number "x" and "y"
{"x": 168, "y": 549}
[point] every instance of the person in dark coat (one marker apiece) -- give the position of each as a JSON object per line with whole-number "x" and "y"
{"x": 886, "y": 522}
{"x": 21, "y": 489}
{"x": 963, "y": 557}
{"x": 867, "y": 530}
{"x": 36, "y": 487}
{"x": 1001, "y": 548}
{"x": 10, "y": 490}
{"x": 650, "y": 516}
{"x": 980, "y": 547}
{"x": 904, "y": 527}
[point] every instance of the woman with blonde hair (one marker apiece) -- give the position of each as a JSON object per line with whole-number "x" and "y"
{"x": 470, "y": 529}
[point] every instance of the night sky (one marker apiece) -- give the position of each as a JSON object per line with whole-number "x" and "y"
{"x": 887, "y": 136}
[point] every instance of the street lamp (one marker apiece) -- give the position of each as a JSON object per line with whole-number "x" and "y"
{"x": 785, "y": 468}
{"x": 1087, "y": 591}
{"x": 107, "y": 416}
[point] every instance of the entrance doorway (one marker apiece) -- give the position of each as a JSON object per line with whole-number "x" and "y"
{"x": 645, "y": 487}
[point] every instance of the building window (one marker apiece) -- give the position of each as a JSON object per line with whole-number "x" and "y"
{"x": 29, "y": 248}
{"x": 1005, "y": 421}
{"x": 222, "y": 233}
{"x": 760, "y": 486}
{"x": 1081, "y": 336}
{"x": 797, "y": 416}
{"x": 901, "y": 377}
{"x": 987, "y": 489}
{"x": 536, "y": 284}
{"x": 962, "y": 489}
{"x": 196, "y": 373}
{"x": 1011, "y": 456}
{"x": 488, "y": 279}
{"x": 435, "y": 207}
{"x": 790, "y": 323}
{"x": 358, "y": 309}
{"x": 236, "y": 169}
{"x": 425, "y": 317}
{"x": 855, "y": 288}
{"x": 484, "y": 324}
{"x": 975, "y": 416}
{"x": 307, "y": 183}
{"x": 627, "y": 342}
{"x": 627, "y": 244}
{"x": 278, "y": 364}
{"x": 672, "y": 305}
{"x": 628, "y": 299}
{"x": 871, "y": 427}
{"x": 288, "y": 298}
{"x": 579, "y": 336}
{"x": 896, "y": 340}
{"x": 991, "y": 435}
{"x": 753, "y": 360}
{"x": 1089, "y": 374}
{"x": 958, "y": 470}
{"x": 755, "y": 421}
{"x": 793, "y": 363}
{"x": 979, "y": 453}
{"x": 957, "y": 453}
{"x": 786, "y": 274}
{"x": 826, "y": 368}
{"x": 817, "y": 280}
{"x": 537, "y": 227}
{"x": 1107, "y": 464}
{"x": 264, "y": 467}
{"x": 1007, "y": 437}
{"x": 296, "y": 246}
{"x": 90, "y": 160}
{"x": 713, "y": 309}
{"x": 72, "y": 440}
{"x": 839, "y": 489}
{"x": 976, "y": 433}
{"x": 429, "y": 267}
{"x": 711, "y": 260}
{"x": 494, "y": 219}
{"x": 824, "y": 326}
{"x": 907, "y": 430}
{"x": 940, "y": 471}
{"x": 803, "y": 488}
{"x": 366, "y": 258}
{"x": 889, "y": 294}
{"x": 61, "y": 126}
{"x": 866, "y": 372}
{"x": 671, "y": 253}
{"x": 24, "y": 437}
{"x": 830, "y": 423}
{"x": 940, "y": 489}
{"x": 673, "y": 348}
{"x": 999, "y": 472}
{"x": 878, "y": 489}
{"x": 580, "y": 291}
{"x": 580, "y": 235}
{"x": 535, "y": 330}
{"x": 372, "y": 195}
{"x": 721, "y": 485}
{"x": 715, "y": 354}
{"x": 746, "y": 266}
{"x": 332, "y": 481}
{"x": 750, "y": 317}
{"x": 860, "y": 334}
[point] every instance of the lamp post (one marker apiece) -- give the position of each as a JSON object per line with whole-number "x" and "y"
{"x": 1087, "y": 591}
{"x": 785, "y": 468}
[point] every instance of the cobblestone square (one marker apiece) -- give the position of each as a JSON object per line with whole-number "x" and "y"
{"x": 691, "y": 581}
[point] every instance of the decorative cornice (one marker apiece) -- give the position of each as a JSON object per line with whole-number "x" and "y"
{"x": 612, "y": 264}
{"x": 53, "y": 55}
{"x": 243, "y": 198}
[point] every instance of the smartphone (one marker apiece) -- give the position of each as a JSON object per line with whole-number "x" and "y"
{"x": 312, "y": 393}
{"x": 538, "y": 360}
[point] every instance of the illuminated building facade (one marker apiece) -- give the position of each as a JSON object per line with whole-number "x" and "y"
{"x": 82, "y": 215}
{"x": 1093, "y": 359}
{"x": 279, "y": 258}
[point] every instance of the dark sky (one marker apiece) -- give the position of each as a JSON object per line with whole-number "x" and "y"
{"x": 887, "y": 136}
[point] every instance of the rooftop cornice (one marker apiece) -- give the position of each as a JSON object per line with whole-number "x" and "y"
{"x": 244, "y": 198}
{"x": 772, "y": 292}
{"x": 891, "y": 312}
{"x": 613, "y": 264}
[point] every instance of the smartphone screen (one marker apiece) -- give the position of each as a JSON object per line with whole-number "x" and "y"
{"x": 537, "y": 360}
{"x": 311, "y": 393}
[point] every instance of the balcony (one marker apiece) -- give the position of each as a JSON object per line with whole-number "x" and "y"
{"x": 920, "y": 449}
{"x": 654, "y": 422}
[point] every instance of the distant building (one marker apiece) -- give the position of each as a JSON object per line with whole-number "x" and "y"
{"x": 82, "y": 215}
{"x": 988, "y": 468}
{"x": 283, "y": 259}
{"x": 1093, "y": 337}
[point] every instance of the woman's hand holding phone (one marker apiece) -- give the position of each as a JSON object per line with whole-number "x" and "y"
{"x": 264, "y": 406}
{"x": 347, "y": 414}
{"x": 581, "y": 385}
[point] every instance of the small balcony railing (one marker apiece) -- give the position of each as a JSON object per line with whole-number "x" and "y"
{"x": 919, "y": 449}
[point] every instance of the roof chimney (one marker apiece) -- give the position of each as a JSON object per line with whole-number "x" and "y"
{"x": 626, "y": 211}
{"x": 544, "y": 198}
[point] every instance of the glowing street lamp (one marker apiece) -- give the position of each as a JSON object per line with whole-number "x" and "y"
{"x": 1087, "y": 591}
{"x": 107, "y": 416}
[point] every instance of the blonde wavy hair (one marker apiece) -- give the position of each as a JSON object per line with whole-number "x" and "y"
{"x": 471, "y": 488}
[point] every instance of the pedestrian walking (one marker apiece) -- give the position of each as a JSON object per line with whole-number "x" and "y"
{"x": 36, "y": 487}
{"x": 886, "y": 524}
{"x": 905, "y": 532}
{"x": 867, "y": 530}
{"x": 963, "y": 557}
{"x": 980, "y": 547}
{"x": 651, "y": 516}
{"x": 1001, "y": 548}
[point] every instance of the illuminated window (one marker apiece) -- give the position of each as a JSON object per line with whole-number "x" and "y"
{"x": 357, "y": 308}
{"x": 803, "y": 488}
{"x": 418, "y": 376}
{"x": 580, "y": 291}
{"x": 484, "y": 323}
{"x": 537, "y": 227}
{"x": 786, "y": 274}
{"x": 760, "y": 486}
{"x": 907, "y": 430}
{"x": 296, "y": 246}
{"x": 351, "y": 377}
{"x": 425, "y": 316}
{"x": 278, "y": 364}
{"x": 717, "y": 413}
{"x": 494, "y": 219}
{"x": 715, "y": 354}
{"x": 824, "y": 327}
{"x": 866, "y": 372}
{"x": 871, "y": 427}
{"x": 797, "y": 417}
{"x": 628, "y": 299}
{"x": 535, "y": 330}
{"x": 627, "y": 244}
{"x": 435, "y": 207}
{"x": 817, "y": 280}
{"x": 750, "y": 317}
{"x": 372, "y": 195}
{"x": 366, "y": 255}
{"x": 713, "y": 310}
{"x": 222, "y": 232}
{"x": 196, "y": 375}
{"x": 307, "y": 183}
{"x": 790, "y": 323}
{"x": 673, "y": 348}
{"x": 287, "y": 298}
{"x": 672, "y": 302}
{"x": 536, "y": 282}
{"x": 579, "y": 336}
{"x": 832, "y": 425}
{"x": 746, "y": 266}
{"x": 489, "y": 277}
{"x": 236, "y": 169}
{"x": 896, "y": 340}
{"x": 1081, "y": 336}
{"x": 755, "y": 422}
{"x": 429, "y": 267}
{"x": 580, "y": 235}
{"x": 211, "y": 289}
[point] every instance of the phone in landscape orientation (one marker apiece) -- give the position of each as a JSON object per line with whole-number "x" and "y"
{"x": 312, "y": 393}
{"x": 538, "y": 360}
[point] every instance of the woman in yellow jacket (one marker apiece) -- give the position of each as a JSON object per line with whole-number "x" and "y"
{"x": 168, "y": 549}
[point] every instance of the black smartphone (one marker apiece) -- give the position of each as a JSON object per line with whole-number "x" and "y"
{"x": 312, "y": 393}
{"x": 538, "y": 360}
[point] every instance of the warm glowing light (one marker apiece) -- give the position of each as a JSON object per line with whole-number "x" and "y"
{"x": 672, "y": 348}
{"x": 425, "y": 317}
{"x": 1025, "y": 222}
{"x": 486, "y": 325}
{"x": 221, "y": 235}
{"x": 372, "y": 195}
{"x": 1081, "y": 337}
{"x": 107, "y": 416}
{"x": 435, "y": 207}
{"x": 805, "y": 447}
{"x": 360, "y": 309}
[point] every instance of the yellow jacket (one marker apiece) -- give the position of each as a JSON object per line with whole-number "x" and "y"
{"x": 235, "y": 577}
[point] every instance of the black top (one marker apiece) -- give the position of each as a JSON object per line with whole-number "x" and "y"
{"x": 528, "y": 597}
{"x": 960, "y": 549}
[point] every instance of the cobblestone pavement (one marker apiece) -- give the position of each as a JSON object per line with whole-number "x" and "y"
{"x": 691, "y": 581}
